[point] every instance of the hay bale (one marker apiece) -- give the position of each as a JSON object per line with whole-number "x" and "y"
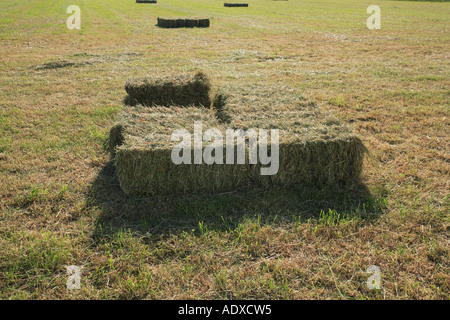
{"x": 192, "y": 23}
{"x": 203, "y": 23}
{"x": 311, "y": 149}
{"x": 235, "y": 4}
{"x": 145, "y": 1}
{"x": 313, "y": 145}
{"x": 180, "y": 91}
{"x": 143, "y": 160}
{"x": 183, "y": 22}
{"x": 167, "y": 22}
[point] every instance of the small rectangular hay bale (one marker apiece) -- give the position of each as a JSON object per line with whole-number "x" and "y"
{"x": 203, "y": 23}
{"x": 191, "y": 22}
{"x": 182, "y": 90}
{"x": 313, "y": 145}
{"x": 166, "y": 23}
{"x": 227, "y": 4}
{"x": 181, "y": 23}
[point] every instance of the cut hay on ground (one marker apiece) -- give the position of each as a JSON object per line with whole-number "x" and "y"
{"x": 183, "y": 22}
{"x": 176, "y": 91}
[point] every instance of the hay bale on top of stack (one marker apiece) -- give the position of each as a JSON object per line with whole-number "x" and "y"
{"x": 182, "y": 90}
{"x": 313, "y": 147}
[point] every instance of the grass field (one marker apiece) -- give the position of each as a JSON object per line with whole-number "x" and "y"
{"x": 60, "y": 204}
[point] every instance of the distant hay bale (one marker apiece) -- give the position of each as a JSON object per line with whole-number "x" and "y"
{"x": 183, "y": 22}
{"x": 180, "y": 91}
{"x": 145, "y": 1}
{"x": 203, "y": 23}
{"x": 312, "y": 149}
{"x": 235, "y": 4}
{"x": 167, "y": 23}
{"x": 192, "y": 23}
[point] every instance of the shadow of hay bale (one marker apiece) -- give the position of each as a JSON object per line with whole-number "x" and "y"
{"x": 166, "y": 215}
{"x": 219, "y": 104}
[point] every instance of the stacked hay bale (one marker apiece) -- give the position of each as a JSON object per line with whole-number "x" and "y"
{"x": 183, "y": 22}
{"x": 235, "y": 4}
{"x": 313, "y": 146}
{"x": 181, "y": 90}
